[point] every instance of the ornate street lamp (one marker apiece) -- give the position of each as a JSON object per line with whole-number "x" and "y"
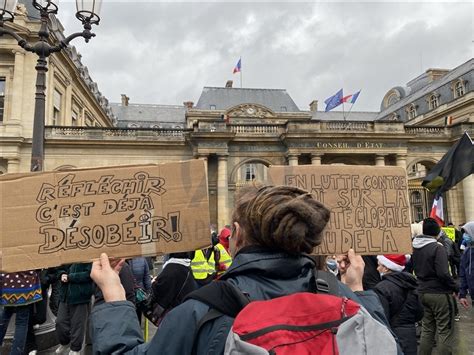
{"x": 88, "y": 13}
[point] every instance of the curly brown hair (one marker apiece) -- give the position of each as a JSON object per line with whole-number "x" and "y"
{"x": 280, "y": 217}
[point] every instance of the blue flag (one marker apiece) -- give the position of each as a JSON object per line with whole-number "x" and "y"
{"x": 333, "y": 101}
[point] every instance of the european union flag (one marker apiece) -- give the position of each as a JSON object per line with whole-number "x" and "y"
{"x": 333, "y": 101}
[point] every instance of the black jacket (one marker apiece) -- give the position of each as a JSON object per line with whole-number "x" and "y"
{"x": 399, "y": 298}
{"x": 430, "y": 261}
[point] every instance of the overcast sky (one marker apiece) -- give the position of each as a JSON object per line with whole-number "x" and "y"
{"x": 166, "y": 52}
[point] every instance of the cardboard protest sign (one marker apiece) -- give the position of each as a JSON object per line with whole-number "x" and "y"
{"x": 369, "y": 205}
{"x": 52, "y": 218}
{"x": 450, "y": 232}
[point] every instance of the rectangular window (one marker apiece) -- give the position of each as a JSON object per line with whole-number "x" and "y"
{"x": 57, "y": 107}
{"x": 75, "y": 118}
{"x": 89, "y": 121}
{"x": 2, "y": 97}
{"x": 250, "y": 172}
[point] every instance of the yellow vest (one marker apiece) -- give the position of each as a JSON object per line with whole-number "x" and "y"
{"x": 224, "y": 261}
{"x": 201, "y": 267}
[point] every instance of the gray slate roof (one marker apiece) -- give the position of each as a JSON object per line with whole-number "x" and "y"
{"x": 421, "y": 92}
{"x": 338, "y": 116}
{"x": 225, "y": 98}
{"x": 149, "y": 113}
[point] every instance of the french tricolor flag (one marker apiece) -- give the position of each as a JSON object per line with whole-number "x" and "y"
{"x": 351, "y": 98}
{"x": 437, "y": 210}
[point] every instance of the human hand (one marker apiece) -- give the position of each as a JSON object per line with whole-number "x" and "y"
{"x": 105, "y": 275}
{"x": 352, "y": 270}
{"x": 464, "y": 302}
{"x": 64, "y": 278}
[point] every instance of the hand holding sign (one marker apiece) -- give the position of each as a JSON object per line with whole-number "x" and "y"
{"x": 105, "y": 275}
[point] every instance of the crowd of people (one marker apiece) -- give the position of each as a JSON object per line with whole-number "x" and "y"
{"x": 199, "y": 298}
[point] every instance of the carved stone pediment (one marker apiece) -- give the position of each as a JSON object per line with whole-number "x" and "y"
{"x": 250, "y": 111}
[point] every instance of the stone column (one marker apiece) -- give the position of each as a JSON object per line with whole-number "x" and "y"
{"x": 379, "y": 159}
{"x": 13, "y": 166}
{"x": 402, "y": 160}
{"x": 16, "y": 103}
{"x": 468, "y": 189}
{"x": 316, "y": 159}
{"x": 292, "y": 159}
{"x": 222, "y": 192}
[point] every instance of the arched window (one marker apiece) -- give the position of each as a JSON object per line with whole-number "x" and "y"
{"x": 133, "y": 125}
{"x": 459, "y": 89}
{"x": 416, "y": 201}
{"x": 433, "y": 101}
{"x": 393, "y": 98}
{"x": 155, "y": 126}
{"x": 411, "y": 111}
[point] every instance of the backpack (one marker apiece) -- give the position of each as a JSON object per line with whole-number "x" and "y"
{"x": 316, "y": 322}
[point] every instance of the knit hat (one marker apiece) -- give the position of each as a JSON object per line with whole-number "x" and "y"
{"x": 394, "y": 262}
{"x": 224, "y": 237}
{"x": 431, "y": 227}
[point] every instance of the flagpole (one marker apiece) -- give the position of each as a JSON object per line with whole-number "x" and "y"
{"x": 343, "y": 115}
{"x": 240, "y": 72}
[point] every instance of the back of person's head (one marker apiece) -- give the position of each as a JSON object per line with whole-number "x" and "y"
{"x": 281, "y": 217}
{"x": 431, "y": 227}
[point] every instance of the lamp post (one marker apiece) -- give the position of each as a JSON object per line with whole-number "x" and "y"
{"x": 88, "y": 14}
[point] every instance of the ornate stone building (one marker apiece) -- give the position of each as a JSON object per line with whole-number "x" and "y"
{"x": 239, "y": 132}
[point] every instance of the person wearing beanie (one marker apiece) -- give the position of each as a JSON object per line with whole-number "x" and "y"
{"x": 224, "y": 236}
{"x": 466, "y": 271}
{"x": 398, "y": 294}
{"x": 435, "y": 286}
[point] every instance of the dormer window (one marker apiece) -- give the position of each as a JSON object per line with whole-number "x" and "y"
{"x": 458, "y": 89}
{"x": 411, "y": 112}
{"x": 433, "y": 101}
{"x": 212, "y": 107}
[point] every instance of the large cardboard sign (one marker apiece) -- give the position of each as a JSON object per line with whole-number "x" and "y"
{"x": 369, "y": 205}
{"x": 52, "y": 218}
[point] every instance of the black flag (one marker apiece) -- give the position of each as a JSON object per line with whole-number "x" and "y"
{"x": 454, "y": 166}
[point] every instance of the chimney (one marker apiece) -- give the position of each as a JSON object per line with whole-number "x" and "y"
{"x": 125, "y": 99}
{"x": 435, "y": 74}
{"x": 188, "y": 104}
{"x": 313, "y": 106}
{"x": 229, "y": 84}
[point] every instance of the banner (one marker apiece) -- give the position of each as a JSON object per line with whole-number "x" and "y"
{"x": 53, "y": 218}
{"x": 369, "y": 205}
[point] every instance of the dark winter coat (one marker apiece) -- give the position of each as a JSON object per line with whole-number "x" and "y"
{"x": 262, "y": 274}
{"x": 402, "y": 306}
{"x": 430, "y": 261}
{"x": 141, "y": 273}
{"x": 466, "y": 273}
{"x": 174, "y": 283}
{"x": 79, "y": 288}
{"x": 371, "y": 275}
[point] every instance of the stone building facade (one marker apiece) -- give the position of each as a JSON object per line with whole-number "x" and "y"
{"x": 238, "y": 132}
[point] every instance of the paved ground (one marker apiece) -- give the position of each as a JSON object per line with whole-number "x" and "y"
{"x": 465, "y": 338}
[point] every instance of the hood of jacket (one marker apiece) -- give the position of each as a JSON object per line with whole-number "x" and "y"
{"x": 265, "y": 274}
{"x": 469, "y": 228}
{"x": 402, "y": 279}
{"x": 423, "y": 240}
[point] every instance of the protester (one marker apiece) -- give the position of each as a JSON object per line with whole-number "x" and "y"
{"x": 273, "y": 229}
{"x": 224, "y": 236}
{"x": 466, "y": 271}
{"x": 141, "y": 274}
{"x": 399, "y": 298}
{"x": 19, "y": 291}
{"x": 171, "y": 286}
{"x": 75, "y": 295}
{"x": 436, "y": 287}
{"x": 454, "y": 255}
{"x": 204, "y": 262}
